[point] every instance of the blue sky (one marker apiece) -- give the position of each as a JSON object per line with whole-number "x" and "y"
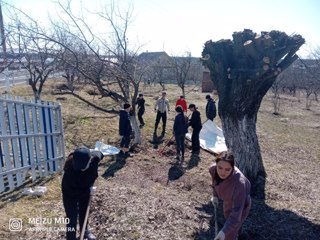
{"x": 177, "y": 26}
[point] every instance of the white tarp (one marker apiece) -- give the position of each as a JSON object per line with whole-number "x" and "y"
{"x": 211, "y": 137}
{"x": 106, "y": 149}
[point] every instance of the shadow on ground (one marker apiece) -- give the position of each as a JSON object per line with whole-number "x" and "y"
{"x": 115, "y": 163}
{"x": 286, "y": 225}
{"x": 194, "y": 161}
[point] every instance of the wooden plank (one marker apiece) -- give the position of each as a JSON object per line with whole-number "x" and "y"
{"x": 5, "y": 145}
{"x": 22, "y": 140}
{"x": 43, "y": 139}
{"x": 2, "y": 186}
{"x": 53, "y": 120}
{"x": 48, "y": 137}
{"x": 61, "y": 136}
{"x": 36, "y": 139}
{"x": 26, "y": 111}
{"x": 14, "y": 143}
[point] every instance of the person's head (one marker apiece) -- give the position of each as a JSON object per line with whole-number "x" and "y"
{"x": 192, "y": 107}
{"x": 225, "y": 164}
{"x": 208, "y": 97}
{"x": 163, "y": 94}
{"x": 81, "y": 158}
{"x": 179, "y": 109}
{"x": 182, "y": 97}
{"x": 140, "y": 95}
{"x": 127, "y": 107}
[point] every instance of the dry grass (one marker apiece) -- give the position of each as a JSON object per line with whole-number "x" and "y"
{"x": 133, "y": 200}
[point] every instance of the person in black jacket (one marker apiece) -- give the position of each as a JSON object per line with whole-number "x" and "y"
{"x": 180, "y": 128}
{"x": 195, "y": 123}
{"x": 80, "y": 173}
{"x": 125, "y": 129}
{"x": 211, "y": 110}
{"x": 140, "y": 102}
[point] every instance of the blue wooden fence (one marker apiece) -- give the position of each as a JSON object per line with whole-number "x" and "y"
{"x": 31, "y": 141}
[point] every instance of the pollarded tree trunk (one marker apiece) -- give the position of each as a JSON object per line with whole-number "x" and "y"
{"x": 241, "y": 137}
{"x": 243, "y": 70}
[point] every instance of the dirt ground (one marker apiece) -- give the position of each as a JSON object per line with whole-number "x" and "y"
{"x": 138, "y": 197}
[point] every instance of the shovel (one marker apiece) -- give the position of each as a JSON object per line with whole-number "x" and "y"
{"x": 92, "y": 190}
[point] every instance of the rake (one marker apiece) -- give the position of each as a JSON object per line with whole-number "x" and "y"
{"x": 165, "y": 146}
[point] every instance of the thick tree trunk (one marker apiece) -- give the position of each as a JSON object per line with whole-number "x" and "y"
{"x": 136, "y": 129}
{"x": 243, "y": 70}
{"x": 241, "y": 138}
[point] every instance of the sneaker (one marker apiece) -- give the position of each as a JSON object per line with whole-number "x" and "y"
{"x": 89, "y": 236}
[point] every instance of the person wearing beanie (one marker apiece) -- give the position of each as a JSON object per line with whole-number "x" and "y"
{"x": 80, "y": 173}
{"x": 195, "y": 123}
{"x": 140, "y": 103}
{"x": 183, "y": 103}
{"x": 125, "y": 129}
{"x": 161, "y": 107}
{"x": 180, "y": 128}
{"x": 211, "y": 110}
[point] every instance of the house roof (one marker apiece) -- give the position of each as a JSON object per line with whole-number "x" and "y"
{"x": 152, "y": 56}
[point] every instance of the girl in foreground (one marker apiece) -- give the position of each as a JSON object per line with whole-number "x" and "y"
{"x": 230, "y": 185}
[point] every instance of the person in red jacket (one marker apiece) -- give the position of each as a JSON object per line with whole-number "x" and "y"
{"x": 230, "y": 185}
{"x": 183, "y": 103}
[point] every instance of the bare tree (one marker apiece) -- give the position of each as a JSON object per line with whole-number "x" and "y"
{"x": 243, "y": 70}
{"x": 276, "y": 99}
{"x": 35, "y": 54}
{"x": 181, "y": 70}
{"x": 104, "y": 61}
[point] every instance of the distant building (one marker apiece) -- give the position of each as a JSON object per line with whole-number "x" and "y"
{"x": 157, "y": 66}
{"x": 207, "y": 84}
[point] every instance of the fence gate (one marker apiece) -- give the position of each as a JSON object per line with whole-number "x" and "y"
{"x": 31, "y": 141}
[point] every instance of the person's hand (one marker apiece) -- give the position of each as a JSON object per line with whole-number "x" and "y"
{"x": 220, "y": 236}
{"x": 215, "y": 201}
{"x": 93, "y": 189}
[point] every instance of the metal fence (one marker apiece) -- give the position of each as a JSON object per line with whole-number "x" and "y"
{"x": 31, "y": 141}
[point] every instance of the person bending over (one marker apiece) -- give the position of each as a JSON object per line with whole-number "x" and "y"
{"x": 80, "y": 173}
{"x": 230, "y": 185}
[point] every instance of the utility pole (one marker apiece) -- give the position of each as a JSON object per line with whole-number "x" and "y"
{"x": 4, "y": 49}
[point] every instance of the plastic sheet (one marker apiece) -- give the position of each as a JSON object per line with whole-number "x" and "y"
{"x": 106, "y": 149}
{"x": 211, "y": 137}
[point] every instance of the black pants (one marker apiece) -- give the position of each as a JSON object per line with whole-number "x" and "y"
{"x": 125, "y": 141}
{"x": 195, "y": 140}
{"x": 162, "y": 116}
{"x": 180, "y": 144}
{"x": 73, "y": 207}
{"x": 140, "y": 113}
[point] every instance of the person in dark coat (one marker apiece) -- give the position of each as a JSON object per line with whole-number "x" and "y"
{"x": 125, "y": 129}
{"x": 211, "y": 110}
{"x": 80, "y": 173}
{"x": 195, "y": 123}
{"x": 140, "y": 103}
{"x": 230, "y": 185}
{"x": 180, "y": 128}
